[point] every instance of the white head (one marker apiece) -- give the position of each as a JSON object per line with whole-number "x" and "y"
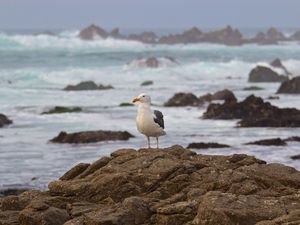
{"x": 143, "y": 98}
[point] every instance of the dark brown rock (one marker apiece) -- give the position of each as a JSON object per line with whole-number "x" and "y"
{"x": 184, "y": 99}
{"x": 254, "y": 112}
{"x": 294, "y": 138}
{"x": 91, "y": 136}
{"x": 265, "y": 74}
{"x": 290, "y": 86}
{"x": 268, "y": 142}
{"x": 295, "y": 157}
{"x": 278, "y": 64}
{"x": 92, "y": 32}
{"x": 164, "y": 186}
{"x": 63, "y": 109}
{"x": 75, "y": 171}
{"x": 225, "y": 95}
{"x": 87, "y": 85}
{"x": 201, "y": 145}
{"x": 4, "y": 120}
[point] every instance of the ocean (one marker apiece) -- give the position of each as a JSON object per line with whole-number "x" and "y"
{"x": 35, "y": 69}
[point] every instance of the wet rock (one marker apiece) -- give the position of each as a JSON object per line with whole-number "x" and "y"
{"x": 13, "y": 190}
{"x": 290, "y": 86}
{"x": 225, "y": 95}
{"x": 184, "y": 99}
{"x": 147, "y": 83}
{"x": 254, "y": 112}
{"x": 164, "y": 186}
{"x": 202, "y": 145}
{"x": 87, "y": 85}
{"x": 253, "y": 88}
{"x": 269, "y": 142}
{"x": 75, "y": 171}
{"x": 145, "y": 37}
{"x": 294, "y": 138}
{"x": 4, "y": 120}
{"x": 265, "y": 74}
{"x": 275, "y": 97}
{"x": 295, "y": 157}
{"x": 62, "y": 109}
{"x": 126, "y": 104}
{"x": 92, "y": 32}
{"x": 278, "y": 64}
{"x": 91, "y": 136}
{"x": 193, "y": 35}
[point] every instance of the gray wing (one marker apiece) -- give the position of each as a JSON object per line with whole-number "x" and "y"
{"x": 159, "y": 118}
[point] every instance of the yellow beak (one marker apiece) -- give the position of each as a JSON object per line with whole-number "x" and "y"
{"x": 135, "y": 100}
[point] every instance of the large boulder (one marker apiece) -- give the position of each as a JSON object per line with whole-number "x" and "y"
{"x": 278, "y": 64}
{"x": 93, "y": 32}
{"x": 4, "y": 120}
{"x": 87, "y": 85}
{"x": 225, "y": 95}
{"x": 91, "y": 136}
{"x": 254, "y": 112}
{"x": 184, "y": 99}
{"x": 163, "y": 186}
{"x": 265, "y": 74}
{"x": 290, "y": 86}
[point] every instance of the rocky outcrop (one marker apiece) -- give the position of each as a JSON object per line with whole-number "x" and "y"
{"x": 265, "y": 74}
{"x": 4, "y": 120}
{"x": 87, "y": 85}
{"x": 93, "y": 32}
{"x": 225, "y": 95}
{"x": 153, "y": 62}
{"x": 163, "y": 186}
{"x": 202, "y": 145}
{"x": 184, "y": 99}
{"x": 254, "y": 112}
{"x": 269, "y": 142}
{"x": 295, "y": 157}
{"x": 193, "y": 35}
{"x": 91, "y": 136}
{"x": 115, "y": 33}
{"x": 278, "y": 64}
{"x": 296, "y": 36}
{"x": 63, "y": 109}
{"x": 290, "y": 86}
{"x": 145, "y": 37}
{"x": 271, "y": 37}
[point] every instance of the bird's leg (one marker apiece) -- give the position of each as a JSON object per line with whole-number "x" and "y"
{"x": 157, "y": 142}
{"x": 148, "y": 138}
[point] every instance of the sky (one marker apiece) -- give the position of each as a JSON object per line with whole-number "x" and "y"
{"x": 148, "y": 13}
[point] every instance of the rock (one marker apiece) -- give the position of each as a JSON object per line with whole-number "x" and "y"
{"x": 153, "y": 62}
{"x": 13, "y": 190}
{"x": 183, "y": 99}
{"x": 290, "y": 86}
{"x": 271, "y": 37}
{"x": 202, "y": 145}
{"x": 265, "y": 74}
{"x": 275, "y": 97}
{"x": 296, "y": 36}
{"x": 87, "y": 85}
{"x": 274, "y": 34}
{"x": 164, "y": 186}
{"x": 145, "y": 37}
{"x": 115, "y": 33}
{"x": 294, "y": 138}
{"x": 269, "y": 142}
{"x": 295, "y": 157}
{"x": 75, "y": 171}
{"x": 225, "y": 95}
{"x": 253, "y": 88}
{"x": 91, "y": 136}
{"x": 4, "y": 120}
{"x": 92, "y": 32}
{"x": 254, "y": 112}
{"x": 126, "y": 104}
{"x": 278, "y": 64}
{"x": 62, "y": 109}
{"x": 147, "y": 83}
{"x": 193, "y": 35}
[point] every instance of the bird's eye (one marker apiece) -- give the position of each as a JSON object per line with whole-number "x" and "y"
{"x": 143, "y": 96}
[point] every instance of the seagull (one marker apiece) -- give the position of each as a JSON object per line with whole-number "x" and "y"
{"x": 149, "y": 123}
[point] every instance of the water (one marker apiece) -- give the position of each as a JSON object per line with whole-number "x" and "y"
{"x": 34, "y": 69}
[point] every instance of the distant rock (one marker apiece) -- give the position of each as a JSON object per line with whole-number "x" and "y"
{"x": 147, "y": 83}
{"x": 93, "y": 32}
{"x": 278, "y": 64}
{"x": 4, "y": 120}
{"x": 265, "y": 74}
{"x": 115, "y": 33}
{"x": 145, "y": 37}
{"x": 87, "y": 85}
{"x": 225, "y": 95}
{"x": 91, "y": 136}
{"x": 296, "y": 36}
{"x": 153, "y": 62}
{"x": 202, "y": 145}
{"x": 253, "y": 88}
{"x": 273, "y": 34}
{"x": 254, "y": 112}
{"x": 269, "y": 142}
{"x": 63, "y": 109}
{"x": 171, "y": 186}
{"x": 184, "y": 99}
{"x": 193, "y": 35}
{"x": 295, "y": 157}
{"x": 290, "y": 86}
{"x": 271, "y": 37}
{"x": 126, "y": 104}
{"x": 275, "y": 97}
{"x": 294, "y": 138}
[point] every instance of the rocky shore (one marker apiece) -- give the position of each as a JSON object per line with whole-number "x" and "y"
{"x": 4, "y": 120}
{"x": 227, "y": 36}
{"x": 172, "y": 186}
